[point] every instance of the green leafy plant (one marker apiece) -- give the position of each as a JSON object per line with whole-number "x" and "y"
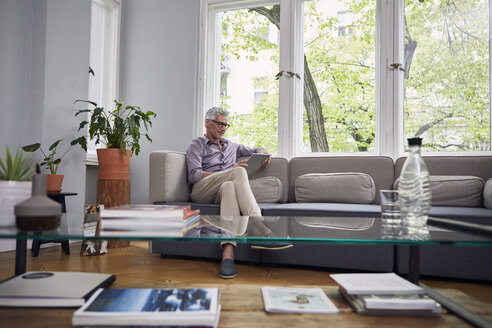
{"x": 120, "y": 128}
{"x": 16, "y": 168}
{"x": 50, "y": 159}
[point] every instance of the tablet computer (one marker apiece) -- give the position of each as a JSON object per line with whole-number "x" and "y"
{"x": 255, "y": 160}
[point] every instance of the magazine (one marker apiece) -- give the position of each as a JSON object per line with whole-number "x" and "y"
{"x": 397, "y": 301}
{"x": 360, "y": 307}
{"x": 151, "y": 307}
{"x": 297, "y": 300}
{"x": 375, "y": 283}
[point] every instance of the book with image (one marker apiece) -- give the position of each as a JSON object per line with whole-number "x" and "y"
{"x": 375, "y": 283}
{"x": 357, "y": 303}
{"x": 151, "y": 307}
{"x": 147, "y": 211}
{"x": 297, "y": 300}
{"x": 51, "y": 289}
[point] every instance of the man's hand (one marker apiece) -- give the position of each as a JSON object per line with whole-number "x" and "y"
{"x": 241, "y": 163}
{"x": 268, "y": 159}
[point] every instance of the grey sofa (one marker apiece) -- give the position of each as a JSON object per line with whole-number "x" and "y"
{"x": 342, "y": 186}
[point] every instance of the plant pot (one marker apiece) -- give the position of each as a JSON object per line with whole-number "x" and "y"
{"x": 113, "y": 164}
{"x": 54, "y": 183}
{"x": 12, "y": 193}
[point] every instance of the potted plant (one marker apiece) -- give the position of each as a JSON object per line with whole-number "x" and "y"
{"x": 15, "y": 183}
{"x": 51, "y": 160}
{"x": 120, "y": 131}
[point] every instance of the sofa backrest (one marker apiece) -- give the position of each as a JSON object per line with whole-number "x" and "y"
{"x": 278, "y": 167}
{"x": 478, "y": 166}
{"x": 380, "y": 168}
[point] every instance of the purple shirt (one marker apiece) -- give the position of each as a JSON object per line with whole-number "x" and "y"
{"x": 203, "y": 155}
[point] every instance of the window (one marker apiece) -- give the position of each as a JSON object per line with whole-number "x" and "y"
{"x": 354, "y": 77}
{"x": 104, "y": 53}
{"x": 243, "y": 61}
{"x": 446, "y": 78}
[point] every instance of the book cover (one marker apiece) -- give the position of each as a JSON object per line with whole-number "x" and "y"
{"x": 51, "y": 289}
{"x": 146, "y": 211}
{"x": 359, "y": 307}
{"x": 297, "y": 300}
{"x": 151, "y": 306}
{"x": 375, "y": 283}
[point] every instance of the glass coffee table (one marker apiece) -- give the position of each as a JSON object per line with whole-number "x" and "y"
{"x": 284, "y": 230}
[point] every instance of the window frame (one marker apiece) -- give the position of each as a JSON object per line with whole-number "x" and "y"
{"x": 109, "y": 88}
{"x": 389, "y": 105}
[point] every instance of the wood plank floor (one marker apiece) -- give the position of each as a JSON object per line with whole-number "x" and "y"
{"x": 134, "y": 266}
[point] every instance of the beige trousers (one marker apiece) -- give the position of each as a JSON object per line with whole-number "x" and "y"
{"x": 229, "y": 188}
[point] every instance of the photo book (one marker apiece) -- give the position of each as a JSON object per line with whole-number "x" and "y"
{"x": 297, "y": 300}
{"x": 150, "y": 307}
{"x": 52, "y": 289}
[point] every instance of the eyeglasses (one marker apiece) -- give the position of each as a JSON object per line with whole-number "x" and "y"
{"x": 222, "y": 125}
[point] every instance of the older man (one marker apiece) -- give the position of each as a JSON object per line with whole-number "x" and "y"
{"x": 218, "y": 178}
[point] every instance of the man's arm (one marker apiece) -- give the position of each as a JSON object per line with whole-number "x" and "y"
{"x": 194, "y": 162}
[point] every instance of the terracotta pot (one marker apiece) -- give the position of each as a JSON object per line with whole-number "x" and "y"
{"x": 113, "y": 164}
{"x": 54, "y": 183}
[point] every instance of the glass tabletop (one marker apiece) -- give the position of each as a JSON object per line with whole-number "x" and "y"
{"x": 270, "y": 229}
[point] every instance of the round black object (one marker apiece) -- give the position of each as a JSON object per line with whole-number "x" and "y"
{"x": 415, "y": 141}
{"x": 38, "y": 275}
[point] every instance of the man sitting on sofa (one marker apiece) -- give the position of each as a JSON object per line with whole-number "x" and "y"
{"x": 216, "y": 177}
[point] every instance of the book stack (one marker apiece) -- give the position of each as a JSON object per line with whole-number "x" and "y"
{"x": 150, "y": 307}
{"x": 385, "y": 294}
{"x": 148, "y": 220}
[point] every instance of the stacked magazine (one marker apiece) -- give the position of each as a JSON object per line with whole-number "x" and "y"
{"x": 148, "y": 220}
{"x": 150, "y": 307}
{"x": 385, "y": 294}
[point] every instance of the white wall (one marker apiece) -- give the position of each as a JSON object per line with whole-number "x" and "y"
{"x": 44, "y": 61}
{"x": 159, "y": 48}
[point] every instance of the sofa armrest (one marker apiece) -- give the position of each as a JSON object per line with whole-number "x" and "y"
{"x": 168, "y": 177}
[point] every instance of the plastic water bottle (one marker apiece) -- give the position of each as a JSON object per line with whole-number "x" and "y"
{"x": 414, "y": 190}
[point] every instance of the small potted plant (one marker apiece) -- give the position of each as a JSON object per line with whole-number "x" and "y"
{"x": 15, "y": 183}
{"x": 120, "y": 131}
{"x": 51, "y": 161}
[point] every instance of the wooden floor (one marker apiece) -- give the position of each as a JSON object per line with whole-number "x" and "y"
{"x": 135, "y": 267}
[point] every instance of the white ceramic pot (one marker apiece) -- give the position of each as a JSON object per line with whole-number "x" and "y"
{"x": 12, "y": 193}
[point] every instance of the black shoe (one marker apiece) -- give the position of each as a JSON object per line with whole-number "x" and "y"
{"x": 272, "y": 246}
{"x": 227, "y": 269}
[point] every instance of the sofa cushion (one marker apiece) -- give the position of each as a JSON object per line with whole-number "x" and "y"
{"x": 267, "y": 189}
{"x": 347, "y": 187}
{"x": 454, "y": 190}
{"x": 487, "y": 194}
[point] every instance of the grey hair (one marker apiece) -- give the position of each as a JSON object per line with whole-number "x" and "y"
{"x": 210, "y": 115}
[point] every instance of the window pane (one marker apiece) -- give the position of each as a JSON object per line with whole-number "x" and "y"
{"x": 249, "y": 62}
{"x": 339, "y": 76}
{"x": 447, "y": 74}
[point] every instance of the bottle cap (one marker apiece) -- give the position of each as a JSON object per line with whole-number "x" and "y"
{"x": 415, "y": 141}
